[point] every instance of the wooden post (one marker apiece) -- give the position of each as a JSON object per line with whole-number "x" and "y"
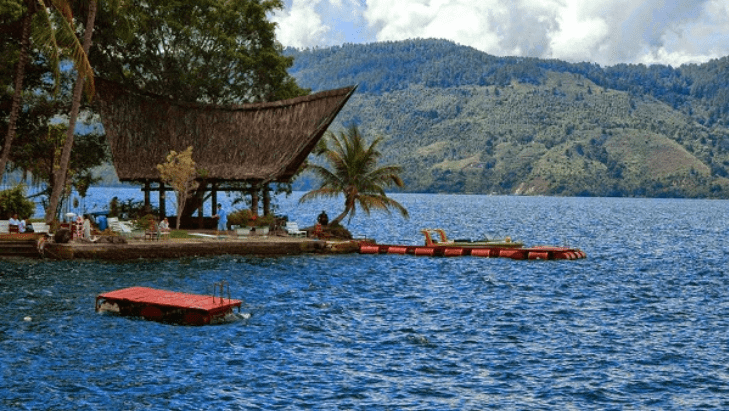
{"x": 254, "y": 200}
{"x": 162, "y": 200}
{"x": 266, "y": 199}
{"x": 214, "y": 198}
{"x": 147, "y": 204}
{"x": 201, "y": 202}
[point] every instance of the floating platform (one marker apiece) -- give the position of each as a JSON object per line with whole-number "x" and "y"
{"x": 167, "y": 306}
{"x": 515, "y": 253}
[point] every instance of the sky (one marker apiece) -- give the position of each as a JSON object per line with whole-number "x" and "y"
{"x": 606, "y": 32}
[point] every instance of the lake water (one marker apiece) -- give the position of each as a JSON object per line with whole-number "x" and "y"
{"x": 642, "y": 323}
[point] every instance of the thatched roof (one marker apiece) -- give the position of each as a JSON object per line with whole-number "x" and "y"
{"x": 253, "y": 142}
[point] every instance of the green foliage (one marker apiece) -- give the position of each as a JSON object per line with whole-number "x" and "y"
{"x": 212, "y": 51}
{"x": 698, "y": 90}
{"x": 530, "y": 126}
{"x": 336, "y": 230}
{"x": 264, "y": 221}
{"x": 354, "y": 173}
{"x": 240, "y": 217}
{"x": 180, "y": 173}
{"x": 38, "y": 150}
{"x": 13, "y": 201}
{"x": 146, "y": 222}
{"x": 180, "y": 234}
{"x": 114, "y": 207}
{"x": 244, "y": 217}
{"x": 129, "y": 209}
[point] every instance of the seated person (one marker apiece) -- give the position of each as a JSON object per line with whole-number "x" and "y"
{"x": 14, "y": 221}
{"x": 164, "y": 225}
{"x": 27, "y": 228}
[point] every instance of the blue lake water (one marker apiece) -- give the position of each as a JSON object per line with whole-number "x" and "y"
{"x": 642, "y": 323}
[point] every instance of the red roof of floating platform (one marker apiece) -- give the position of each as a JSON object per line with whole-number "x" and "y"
{"x": 145, "y": 295}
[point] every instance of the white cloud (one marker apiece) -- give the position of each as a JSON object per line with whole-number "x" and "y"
{"x": 602, "y": 31}
{"x": 299, "y": 25}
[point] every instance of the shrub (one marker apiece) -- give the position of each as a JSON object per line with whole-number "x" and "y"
{"x": 337, "y": 231}
{"x": 245, "y": 218}
{"x": 129, "y": 209}
{"x": 145, "y": 222}
{"x": 239, "y": 217}
{"x": 264, "y": 221}
{"x": 14, "y": 201}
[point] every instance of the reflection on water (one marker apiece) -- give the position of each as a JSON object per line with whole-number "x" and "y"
{"x": 640, "y": 324}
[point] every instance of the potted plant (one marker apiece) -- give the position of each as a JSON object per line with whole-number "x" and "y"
{"x": 240, "y": 219}
{"x": 263, "y": 223}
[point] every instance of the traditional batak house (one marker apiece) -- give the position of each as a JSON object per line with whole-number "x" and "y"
{"x": 256, "y": 143}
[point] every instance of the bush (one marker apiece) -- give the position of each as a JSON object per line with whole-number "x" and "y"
{"x": 146, "y": 222}
{"x": 240, "y": 217}
{"x": 14, "y": 201}
{"x": 264, "y": 221}
{"x": 244, "y": 218}
{"x": 129, "y": 209}
{"x": 337, "y": 231}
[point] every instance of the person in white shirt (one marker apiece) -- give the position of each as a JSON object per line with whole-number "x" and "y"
{"x": 14, "y": 221}
{"x": 87, "y": 227}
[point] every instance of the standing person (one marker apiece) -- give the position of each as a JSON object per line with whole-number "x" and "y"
{"x": 222, "y": 217}
{"x": 87, "y": 226}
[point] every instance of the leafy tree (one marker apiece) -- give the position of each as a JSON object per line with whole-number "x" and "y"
{"x": 13, "y": 201}
{"x": 354, "y": 173}
{"x": 40, "y": 154}
{"x": 209, "y": 51}
{"x": 53, "y": 36}
{"x": 214, "y": 51}
{"x": 180, "y": 173}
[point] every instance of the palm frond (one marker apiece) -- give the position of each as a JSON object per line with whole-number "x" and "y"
{"x": 353, "y": 171}
{"x": 57, "y": 37}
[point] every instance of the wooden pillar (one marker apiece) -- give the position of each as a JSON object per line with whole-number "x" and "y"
{"x": 201, "y": 202}
{"x": 254, "y": 200}
{"x": 147, "y": 204}
{"x": 266, "y": 199}
{"x": 214, "y": 198}
{"x": 162, "y": 201}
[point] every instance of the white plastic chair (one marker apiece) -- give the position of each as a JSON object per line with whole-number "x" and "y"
{"x": 119, "y": 227}
{"x": 292, "y": 229}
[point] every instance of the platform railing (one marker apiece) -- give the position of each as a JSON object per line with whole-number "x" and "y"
{"x": 221, "y": 287}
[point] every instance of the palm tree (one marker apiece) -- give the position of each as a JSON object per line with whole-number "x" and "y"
{"x": 17, "y": 94}
{"x": 51, "y": 37}
{"x": 354, "y": 173}
{"x": 59, "y": 180}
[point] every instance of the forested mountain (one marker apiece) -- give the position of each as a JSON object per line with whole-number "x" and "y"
{"x": 460, "y": 120}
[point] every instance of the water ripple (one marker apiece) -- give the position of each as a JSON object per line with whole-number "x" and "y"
{"x": 640, "y": 324}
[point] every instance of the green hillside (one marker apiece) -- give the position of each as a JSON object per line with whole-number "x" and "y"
{"x": 459, "y": 120}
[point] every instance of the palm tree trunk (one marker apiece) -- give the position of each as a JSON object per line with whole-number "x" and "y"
{"x": 18, "y": 92}
{"x": 338, "y": 219}
{"x": 78, "y": 89}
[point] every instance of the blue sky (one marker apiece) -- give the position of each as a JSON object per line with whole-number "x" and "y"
{"x": 606, "y": 32}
